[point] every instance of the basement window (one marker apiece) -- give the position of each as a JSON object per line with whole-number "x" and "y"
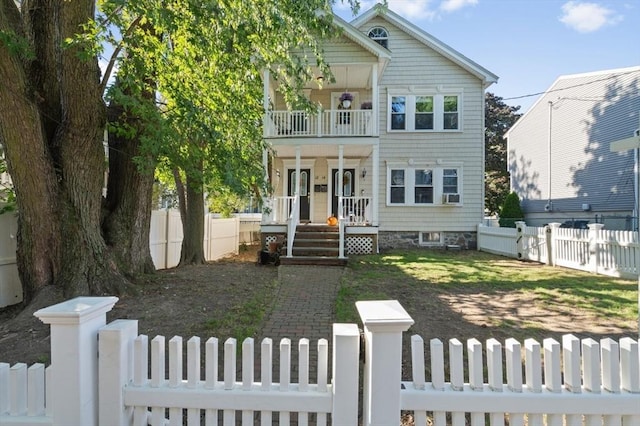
{"x": 430, "y": 239}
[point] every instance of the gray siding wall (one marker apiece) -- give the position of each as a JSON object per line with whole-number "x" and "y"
{"x": 585, "y": 119}
{"x": 415, "y": 66}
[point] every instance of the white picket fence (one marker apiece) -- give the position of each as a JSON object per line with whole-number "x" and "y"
{"x": 10, "y": 286}
{"x": 612, "y": 253}
{"x": 106, "y": 380}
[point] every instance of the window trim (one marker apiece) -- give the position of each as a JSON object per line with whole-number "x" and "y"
{"x": 437, "y": 170}
{"x": 422, "y": 242}
{"x": 438, "y": 110}
{"x": 385, "y": 38}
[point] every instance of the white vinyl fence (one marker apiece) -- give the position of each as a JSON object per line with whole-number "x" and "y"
{"x": 613, "y": 253}
{"x": 222, "y": 237}
{"x": 122, "y": 378}
{"x": 10, "y": 287}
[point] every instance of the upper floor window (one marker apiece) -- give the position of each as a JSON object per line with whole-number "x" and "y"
{"x": 424, "y": 112}
{"x": 380, "y": 36}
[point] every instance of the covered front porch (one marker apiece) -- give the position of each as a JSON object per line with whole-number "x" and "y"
{"x": 331, "y": 183}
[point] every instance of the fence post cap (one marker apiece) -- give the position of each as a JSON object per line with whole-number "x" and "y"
{"x": 76, "y": 311}
{"x": 384, "y": 316}
{"x": 595, "y": 225}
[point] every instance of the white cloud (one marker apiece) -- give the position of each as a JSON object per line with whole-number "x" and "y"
{"x": 453, "y": 5}
{"x": 587, "y": 17}
{"x": 414, "y": 10}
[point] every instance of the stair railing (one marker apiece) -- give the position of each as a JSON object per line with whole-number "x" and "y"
{"x": 294, "y": 219}
{"x": 341, "y": 222}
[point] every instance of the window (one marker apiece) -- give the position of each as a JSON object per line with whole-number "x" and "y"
{"x": 397, "y": 188}
{"x": 423, "y": 185}
{"x": 451, "y": 112}
{"x": 398, "y": 112}
{"x": 380, "y": 36}
{"x": 429, "y": 238}
{"x": 450, "y": 181}
{"x": 424, "y": 112}
{"x": 423, "y": 190}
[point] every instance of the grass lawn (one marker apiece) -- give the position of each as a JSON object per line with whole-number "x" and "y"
{"x": 473, "y": 294}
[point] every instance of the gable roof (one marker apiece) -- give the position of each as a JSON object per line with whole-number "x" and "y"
{"x": 353, "y": 34}
{"x": 424, "y": 37}
{"x": 597, "y": 80}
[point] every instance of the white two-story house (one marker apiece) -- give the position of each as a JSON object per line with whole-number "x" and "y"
{"x": 396, "y": 153}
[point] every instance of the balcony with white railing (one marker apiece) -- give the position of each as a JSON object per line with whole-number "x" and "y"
{"x": 327, "y": 123}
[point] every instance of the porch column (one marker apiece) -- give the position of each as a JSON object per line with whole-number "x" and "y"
{"x": 297, "y": 193}
{"x": 268, "y": 202}
{"x": 375, "y": 183}
{"x": 375, "y": 107}
{"x": 340, "y": 177}
{"x": 265, "y": 101}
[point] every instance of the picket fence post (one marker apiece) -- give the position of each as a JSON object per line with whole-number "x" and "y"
{"x": 552, "y": 231}
{"x": 384, "y": 322}
{"x": 74, "y": 357}
{"x": 594, "y": 238}
{"x": 115, "y": 371}
{"x": 520, "y": 228}
{"x": 346, "y": 359}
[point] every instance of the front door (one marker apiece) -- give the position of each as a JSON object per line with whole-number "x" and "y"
{"x": 304, "y": 191}
{"x": 348, "y": 187}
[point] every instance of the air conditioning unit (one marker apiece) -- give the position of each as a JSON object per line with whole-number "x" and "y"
{"x": 451, "y": 198}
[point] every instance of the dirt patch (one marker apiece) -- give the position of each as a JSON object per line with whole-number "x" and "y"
{"x": 187, "y": 301}
{"x": 199, "y": 300}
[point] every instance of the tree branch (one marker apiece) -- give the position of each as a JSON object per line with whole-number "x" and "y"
{"x": 116, "y": 52}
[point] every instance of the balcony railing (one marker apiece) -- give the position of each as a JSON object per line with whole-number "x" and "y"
{"x": 286, "y": 124}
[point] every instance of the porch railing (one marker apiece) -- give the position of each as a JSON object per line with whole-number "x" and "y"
{"x": 292, "y": 224}
{"x": 281, "y": 209}
{"x": 355, "y": 210}
{"x": 285, "y": 124}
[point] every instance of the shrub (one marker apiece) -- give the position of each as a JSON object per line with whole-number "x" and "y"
{"x": 511, "y": 212}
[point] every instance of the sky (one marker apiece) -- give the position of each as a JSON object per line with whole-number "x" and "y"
{"x": 528, "y": 43}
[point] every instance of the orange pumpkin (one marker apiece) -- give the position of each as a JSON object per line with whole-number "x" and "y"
{"x": 332, "y": 221}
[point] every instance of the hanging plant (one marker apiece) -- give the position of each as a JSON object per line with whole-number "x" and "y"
{"x": 346, "y": 96}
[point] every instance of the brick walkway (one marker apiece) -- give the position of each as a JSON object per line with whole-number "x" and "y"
{"x": 304, "y": 307}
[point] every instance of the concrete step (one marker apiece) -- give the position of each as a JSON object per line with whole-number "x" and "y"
{"x": 312, "y": 260}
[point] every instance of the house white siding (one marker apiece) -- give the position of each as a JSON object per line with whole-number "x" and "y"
{"x": 415, "y": 66}
{"x": 566, "y": 162}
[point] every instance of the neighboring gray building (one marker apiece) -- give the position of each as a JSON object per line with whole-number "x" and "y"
{"x": 559, "y": 151}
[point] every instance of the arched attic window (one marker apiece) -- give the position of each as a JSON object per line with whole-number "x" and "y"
{"x": 380, "y": 36}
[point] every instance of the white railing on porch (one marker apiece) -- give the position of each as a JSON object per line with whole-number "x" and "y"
{"x": 286, "y": 124}
{"x": 99, "y": 375}
{"x": 281, "y": 208}
{"x": 612, "y": 253}
{"x": 292, "y": 224}
{"x": 355, "y": 210}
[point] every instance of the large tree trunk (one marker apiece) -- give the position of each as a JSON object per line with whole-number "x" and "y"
{"x": 129, "y": 199}
{"x": 191, "y": 198}
{"x": 52, "y": 128}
